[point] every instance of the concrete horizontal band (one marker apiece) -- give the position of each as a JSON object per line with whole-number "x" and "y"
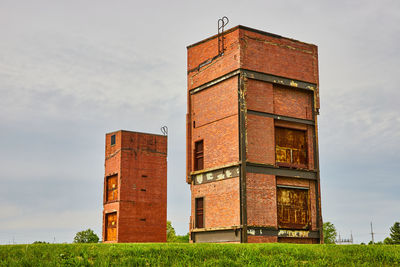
{"x": 216, "y": 175}
{"x": 257, "y": 76}
{"x": 277, "y": 80}
{"x": 265, "y": 231}
{"x": 232, "y": 235}
{"x": 280, "y": 117}
{"x": 212, "y": 229}
{"x": 292, "y": 187}
{"x": 266, "y": 169}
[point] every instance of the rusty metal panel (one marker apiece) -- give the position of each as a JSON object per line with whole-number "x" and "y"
{"x": 290, "y": 147}
{"x": 112, "y": 188}
{"x": 111, "y": 226}
{"x": 293, "y": 208}
{"x": 199, "y": 212}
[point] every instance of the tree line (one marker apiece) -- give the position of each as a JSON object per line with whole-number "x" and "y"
{"x": 330, "y": 234}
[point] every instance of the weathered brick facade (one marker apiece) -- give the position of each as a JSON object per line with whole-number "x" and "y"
{"x": 135, "y": 187}
{"x": 252, "y": 129}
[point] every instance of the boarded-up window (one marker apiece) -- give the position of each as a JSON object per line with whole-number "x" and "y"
{"x": 293, "y": 208}
{"x": 111, "y": 226}
{"x": 199, "y": 212}
{"x": 112, "y": 188}
{"x": 198, "y": 155}
{"x": 290, "y": 147}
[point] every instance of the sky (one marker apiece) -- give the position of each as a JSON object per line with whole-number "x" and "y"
{"x": 71, "y": 71}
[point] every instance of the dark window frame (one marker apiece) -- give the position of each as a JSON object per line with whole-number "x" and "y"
{"x": 113, "y": 139}
{"x": 198, "y": 155}
{"x": 199, "y": 211}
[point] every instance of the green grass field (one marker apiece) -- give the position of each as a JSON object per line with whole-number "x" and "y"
{"x": 198, "y": 255}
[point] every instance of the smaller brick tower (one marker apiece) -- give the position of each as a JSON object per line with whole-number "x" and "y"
{"x": 135, "y": 188}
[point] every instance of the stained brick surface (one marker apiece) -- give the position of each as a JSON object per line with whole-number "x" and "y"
{"x": 261, "y": 200}
{"x": 292, "y": 102}
{"x": 260, "y": 139}
{"x": 140, "y": 161}
{"x": 221, "y": 203}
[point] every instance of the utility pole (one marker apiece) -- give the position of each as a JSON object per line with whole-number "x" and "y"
{"x": 351, "y": 236}
{"x": 372, "y": 234}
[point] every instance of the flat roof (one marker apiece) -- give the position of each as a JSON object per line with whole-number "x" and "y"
{"x": 135, "y": 132}
{"x": 247, "y": 29}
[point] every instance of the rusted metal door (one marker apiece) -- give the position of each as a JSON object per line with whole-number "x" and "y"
{"x": 112, "y": 188}
{"x": 293, "y": 208}
{"x": 198, "y": 155}
{"x": 290, "y": 147}
{"x": 199, "y": 212}
{"x": 111, "y": 226}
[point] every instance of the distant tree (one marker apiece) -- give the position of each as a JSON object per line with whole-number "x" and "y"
{"x": 171, "y": 235}
{"x": 182, "y": 238}
{"x": 329, "y": 233}
{"x": 40, "y": 242}
{"x": 395, "y": 233}
{"x": 87, "y": 236}
{"x": 388, "y": 241}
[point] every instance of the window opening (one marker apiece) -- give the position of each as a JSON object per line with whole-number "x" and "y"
{"x": 290, "y": 147}
{"x": 293, "y": 208}
{"x": 199, "y": 212}
{"x": 113, "y": 139}
{"x": 112, "y": 188}
{"x": 198, "y": 155}
{"x": 111, "y": 226}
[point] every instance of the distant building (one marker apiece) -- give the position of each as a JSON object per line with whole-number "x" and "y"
{"x": 252, "y": 146}
{"x": 135, "y": 187}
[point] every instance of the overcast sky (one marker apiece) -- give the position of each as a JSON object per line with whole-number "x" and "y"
{"x": 70, "y": 71}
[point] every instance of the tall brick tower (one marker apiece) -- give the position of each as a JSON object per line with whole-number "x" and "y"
{"x": 252, "y": 146}
{"x": 135, "y": 188}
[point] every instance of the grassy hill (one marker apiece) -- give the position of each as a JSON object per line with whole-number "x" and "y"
{"x": 198, "y": 255}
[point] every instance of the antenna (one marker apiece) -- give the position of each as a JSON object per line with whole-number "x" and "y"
{"x": 222, "y": 22}
{"x": 164, "y": 130}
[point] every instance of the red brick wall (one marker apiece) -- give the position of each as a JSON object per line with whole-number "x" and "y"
{"x": 261, "y": 200}
{"x": 207, "y": 50}
{"x": 292, "y": 102}
{"x": 278, "y": 56}
{"x": 140, "y": 197}
{"x": 221, "y": 203}
{"x": 259, "y": 96}
{"x": 110, "y": 150}
{"x": 260, "y": 139}
{"x": 215, "y": 103}
{"x": 262, "y": 239}
{"x": 215, "y": 113}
